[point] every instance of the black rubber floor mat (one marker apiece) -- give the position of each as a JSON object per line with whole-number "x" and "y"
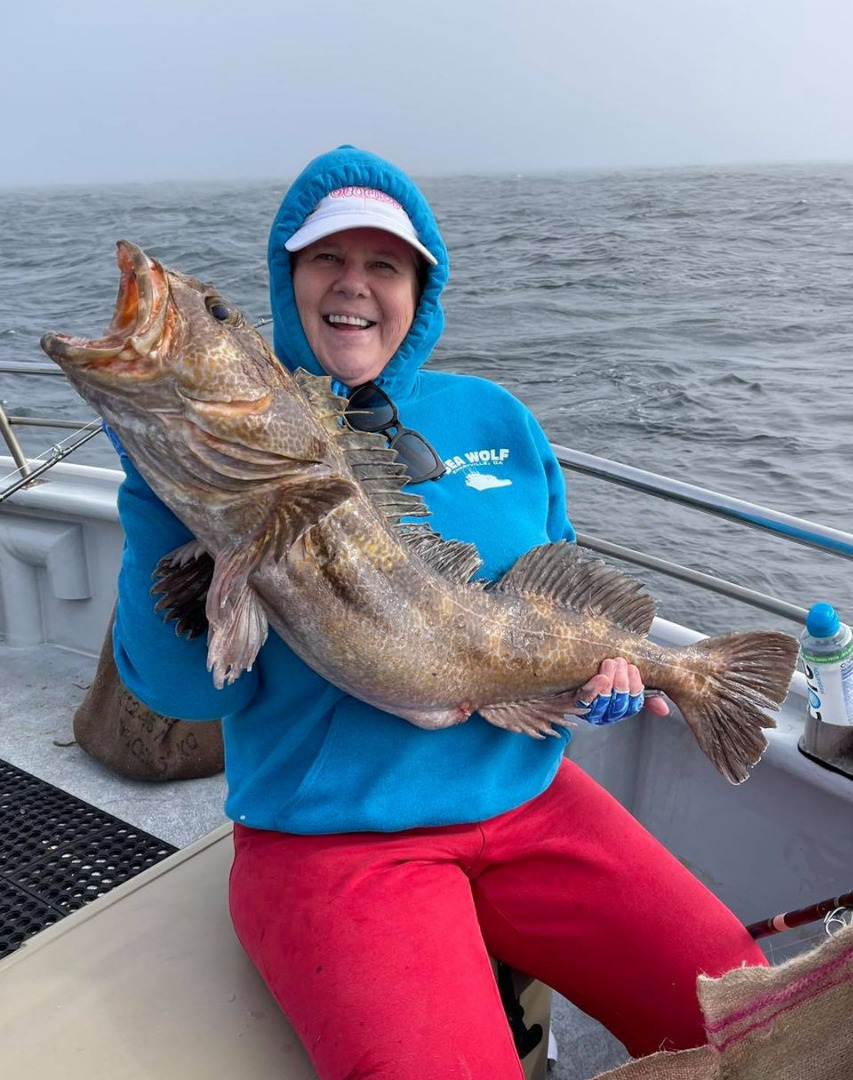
{"x": 57, "y": 853}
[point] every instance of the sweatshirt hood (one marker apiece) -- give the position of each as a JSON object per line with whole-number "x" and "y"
{"x": 350, "y": 167}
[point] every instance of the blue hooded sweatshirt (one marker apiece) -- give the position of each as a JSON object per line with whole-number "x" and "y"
{"x": 301, "y": 755}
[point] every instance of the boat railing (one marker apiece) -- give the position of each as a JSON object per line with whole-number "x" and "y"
{"x": 28, "y": 470}
{"x": 786, "y": 527}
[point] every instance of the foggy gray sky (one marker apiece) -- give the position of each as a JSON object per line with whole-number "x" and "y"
{"x": 195, "y": 89}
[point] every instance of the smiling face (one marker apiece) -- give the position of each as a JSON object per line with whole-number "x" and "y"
{"x": 356, "y": 293}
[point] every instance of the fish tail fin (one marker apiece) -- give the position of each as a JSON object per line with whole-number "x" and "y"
{"x": 735, "y": 678}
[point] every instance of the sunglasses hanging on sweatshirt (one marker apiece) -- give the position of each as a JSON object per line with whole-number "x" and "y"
{"x": 370, "y": 409}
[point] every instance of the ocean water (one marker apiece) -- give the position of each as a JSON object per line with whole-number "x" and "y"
{"x": 695, "y": 323}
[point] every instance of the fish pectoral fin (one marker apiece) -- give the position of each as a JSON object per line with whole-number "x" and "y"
{"x": 182, "y": 580}
{"x": 238, "y": 623}
{"x": 297, "y": 507}
{"x": 237, "y": 620}
{"x": 559, "y": 572}
{"x": 535, "y": 718}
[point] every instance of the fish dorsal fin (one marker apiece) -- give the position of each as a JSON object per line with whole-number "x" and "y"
{"x": 453, "y": 559}
{"x": 559, "y": 572}
{"x": 372, "y": 462}
{"x": 327, "y": 407}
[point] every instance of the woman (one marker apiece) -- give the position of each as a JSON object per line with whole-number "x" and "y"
{"x": 378, "y": 864}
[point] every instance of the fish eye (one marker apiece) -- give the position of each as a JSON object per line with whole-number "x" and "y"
{"x": 221, "y": 311}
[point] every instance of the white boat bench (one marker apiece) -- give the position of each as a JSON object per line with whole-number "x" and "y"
{"x": 151, "y": 981}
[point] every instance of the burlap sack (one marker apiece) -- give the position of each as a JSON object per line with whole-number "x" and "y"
{"x": 698, "y": 1064}
{"x": 791, "y": 1022}
{"x": 117, "y": 730}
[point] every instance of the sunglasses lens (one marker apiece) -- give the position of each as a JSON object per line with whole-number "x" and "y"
{"x": 370, "y": 409}
{"x": 418, "y": 456}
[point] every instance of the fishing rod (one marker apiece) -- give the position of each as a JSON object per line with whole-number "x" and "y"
{"x": 56, "y": 453}
{"x": 791, "y": 919}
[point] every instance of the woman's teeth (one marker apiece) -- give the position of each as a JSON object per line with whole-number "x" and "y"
{"x": 348, "y": 320}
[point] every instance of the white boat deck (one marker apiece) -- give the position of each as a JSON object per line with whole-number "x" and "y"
{"x": 42, "y": 687}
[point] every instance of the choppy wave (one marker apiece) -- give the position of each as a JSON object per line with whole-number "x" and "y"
{"x": 690, "y": 322}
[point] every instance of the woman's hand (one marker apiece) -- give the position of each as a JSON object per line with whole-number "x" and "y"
{"x": 617, "y": 692}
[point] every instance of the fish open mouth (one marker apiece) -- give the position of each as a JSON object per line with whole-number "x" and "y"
{"x": 137, "y": 324}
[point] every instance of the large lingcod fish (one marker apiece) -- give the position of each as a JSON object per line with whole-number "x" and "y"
{"x": 302, "y": 518}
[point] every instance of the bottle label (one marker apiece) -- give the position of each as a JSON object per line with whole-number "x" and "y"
{"x": 844, "y": 653}
{"x": 830, "y": 685}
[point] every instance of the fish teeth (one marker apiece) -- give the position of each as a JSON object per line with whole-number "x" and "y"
{"x": 350, "y": 320}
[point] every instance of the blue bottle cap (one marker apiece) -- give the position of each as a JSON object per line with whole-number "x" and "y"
{"x": 823, "y": 621}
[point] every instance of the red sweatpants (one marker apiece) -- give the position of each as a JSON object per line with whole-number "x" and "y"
{"x": 376, "y": 945}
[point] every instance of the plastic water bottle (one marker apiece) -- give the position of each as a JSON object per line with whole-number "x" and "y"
{"x": 827, "y": 649}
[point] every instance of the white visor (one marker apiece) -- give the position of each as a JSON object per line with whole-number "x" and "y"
{"x": 357, "y": 208}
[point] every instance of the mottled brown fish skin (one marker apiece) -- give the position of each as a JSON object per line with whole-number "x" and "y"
{"x": 302, "y": 518}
